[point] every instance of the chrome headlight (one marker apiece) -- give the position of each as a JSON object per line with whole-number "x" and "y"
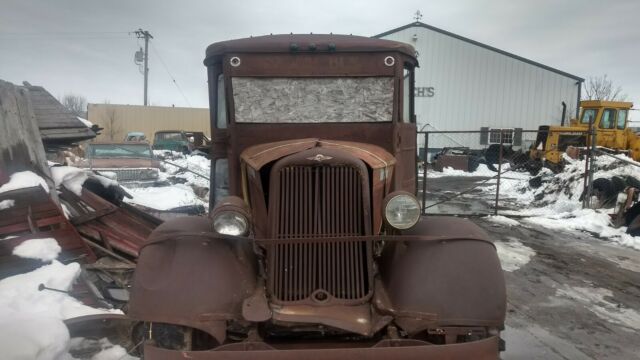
{"x": 231, "y": 217}
{"x": 230, "y": 223}
{"x": 401, "y": 210}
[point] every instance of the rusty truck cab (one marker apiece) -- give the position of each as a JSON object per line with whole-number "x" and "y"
{"x": 315, "y": 245}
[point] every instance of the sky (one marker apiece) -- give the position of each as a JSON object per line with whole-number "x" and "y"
{"x": 86, "y": 47}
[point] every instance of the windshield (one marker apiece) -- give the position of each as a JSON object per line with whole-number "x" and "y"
{"x": 312, "y": 100}
{"x": 119, "y": 151}
{"x": 170, "y": 137}
{"x": 588, "y": 115}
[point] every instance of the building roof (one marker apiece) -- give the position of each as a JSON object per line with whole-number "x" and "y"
{"x": 56, "y": 123}
{"x": 488, "y": 47}
{"x": 306, "y": 43}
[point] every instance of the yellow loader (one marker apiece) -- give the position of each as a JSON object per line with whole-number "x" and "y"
{"x": 610, "y": 121}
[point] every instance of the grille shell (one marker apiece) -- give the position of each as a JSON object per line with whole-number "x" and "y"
{"x": 316, "y": 210}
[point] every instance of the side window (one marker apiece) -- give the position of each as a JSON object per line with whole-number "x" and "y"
{"x": 407, "y": 96}
{"x": 221, "y": 105}
{"x": 622, "y": 119}
{"x": 588, "y": 115}
{"x": 608, "y": 119}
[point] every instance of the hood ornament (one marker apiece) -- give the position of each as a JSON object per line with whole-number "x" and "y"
{"x": 320, "y": 158}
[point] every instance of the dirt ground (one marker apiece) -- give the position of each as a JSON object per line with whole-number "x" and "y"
{"x": 570, "y": 295}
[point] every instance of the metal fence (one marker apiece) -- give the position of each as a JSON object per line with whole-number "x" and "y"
{"x": 477, "y": 196}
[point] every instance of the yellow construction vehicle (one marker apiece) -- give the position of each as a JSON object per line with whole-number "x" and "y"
{"x": 609, "y": 119}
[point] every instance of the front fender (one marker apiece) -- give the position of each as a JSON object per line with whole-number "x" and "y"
{"x": 187, "y": 275}
{"x": 458, "y": 280}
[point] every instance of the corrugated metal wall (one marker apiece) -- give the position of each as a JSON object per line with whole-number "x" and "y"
{"x": 474, "y": 87}
{"x": 118, "y": 120}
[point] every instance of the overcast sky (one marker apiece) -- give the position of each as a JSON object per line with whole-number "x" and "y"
{"x": 83, "y": 47}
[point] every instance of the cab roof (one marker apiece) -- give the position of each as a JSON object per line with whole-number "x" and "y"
{"x": 305, "y": 43}
{"x": 605, "y": 103}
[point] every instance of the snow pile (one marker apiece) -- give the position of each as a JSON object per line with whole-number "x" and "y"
{"x": 31, "y": 324}
{"x": 556, "y": 204}
{"x": 164, "y": 197}
{"x": 31, "y": 338}
{"x": 24, "y": 179}
{"x": 45, "y": 249}
{"x": 188, "y": 189}
{"x": 5, "y": 204}
{"x": 31, "y": 317}
{"x": 70, "y": 177}
{"x": 108, "y": 351}
{"x": 195, "y": 163}
{"x": 481, "y": 171}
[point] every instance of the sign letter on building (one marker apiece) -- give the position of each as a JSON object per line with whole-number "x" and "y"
{"x": 425, "y": 91}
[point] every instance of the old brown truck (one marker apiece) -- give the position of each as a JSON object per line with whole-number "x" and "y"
{"x": 315, "y": 247}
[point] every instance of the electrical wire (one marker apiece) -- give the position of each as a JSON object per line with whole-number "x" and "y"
{"x": 90, "y": 35}
{"x": 166, "y": 68}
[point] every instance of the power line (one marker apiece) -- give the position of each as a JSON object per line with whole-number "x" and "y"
{"x": 169, "y": 73}
{"x": 63, "y": 35}
{"x": 63, "y": 32}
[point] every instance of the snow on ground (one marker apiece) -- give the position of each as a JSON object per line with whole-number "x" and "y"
{"x": 31, "y": 320}
{"x": 5, "y": 204}
{"x": 556, "y": 202}
{"x": 179, "y": 194}
{"x": 45, "y": 249}
{"x": 195, "y": 163}
{"x": 600, "y": 302}
{"x": 513, "y": 254}
{"x": 502, "y": 220}
{"x": 24, "y": 179}
{"x": 481, "y": 171}
{"x": 164, "y": 197}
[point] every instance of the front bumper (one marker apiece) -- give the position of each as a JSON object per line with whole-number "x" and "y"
{"x": 486, "y": 349}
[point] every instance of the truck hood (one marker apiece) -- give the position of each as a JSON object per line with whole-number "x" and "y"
{"x": 259, "y": 155}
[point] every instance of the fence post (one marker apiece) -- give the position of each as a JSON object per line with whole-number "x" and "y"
{"x": 424, "y": 172}
{"x": 499, "y": 173}
{"x": 588, "y": 166}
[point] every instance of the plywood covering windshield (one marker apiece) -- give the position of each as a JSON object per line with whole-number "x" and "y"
{"x": 312, "y": 100}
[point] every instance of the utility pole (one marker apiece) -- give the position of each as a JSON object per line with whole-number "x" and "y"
{"x": 146, "y": 35}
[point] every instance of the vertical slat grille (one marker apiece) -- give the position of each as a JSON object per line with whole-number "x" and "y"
{"x": 319, "y": 202}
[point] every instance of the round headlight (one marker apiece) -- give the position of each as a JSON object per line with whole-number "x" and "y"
{"x": 230, "y": 223}
{"x": 402, "y": 211}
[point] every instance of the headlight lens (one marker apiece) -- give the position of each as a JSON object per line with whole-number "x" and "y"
{"x": 402, "y": 211}
{"x": 230, "y": 223}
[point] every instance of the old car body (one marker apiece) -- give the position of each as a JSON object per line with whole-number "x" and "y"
{"x": 172, "y": 140}
{"x": 315, "y": 246}
{"x": 129, "y": 162}
{"x": 135, "y": 136}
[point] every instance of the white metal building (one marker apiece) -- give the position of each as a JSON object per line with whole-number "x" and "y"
{"x": 465, "y": 85}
